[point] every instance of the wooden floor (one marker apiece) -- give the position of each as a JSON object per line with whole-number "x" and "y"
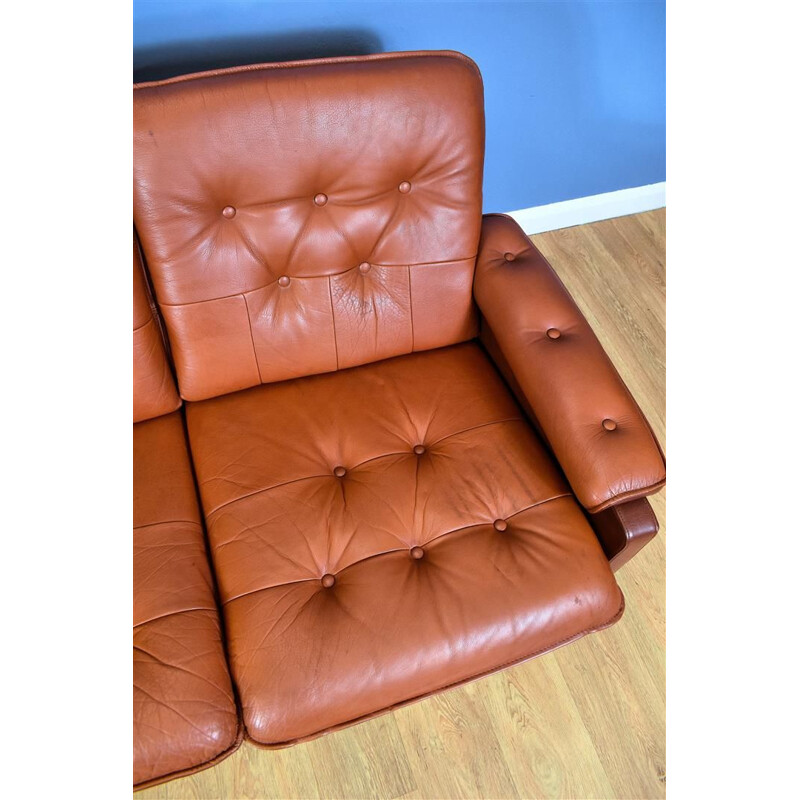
{"x": 586, "y": 721}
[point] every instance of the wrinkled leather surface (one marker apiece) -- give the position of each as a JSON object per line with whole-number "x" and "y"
{"x": 573, "y": 389}
{"x": 384, "y": 522}
{"x": 321, "y": 492}
{"x": 154, "y": 390}
{"x": 183, "y": 707}
{"x": 303, "y": 218}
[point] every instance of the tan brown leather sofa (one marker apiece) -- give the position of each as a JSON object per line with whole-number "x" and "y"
{"x": 415, "y": 464}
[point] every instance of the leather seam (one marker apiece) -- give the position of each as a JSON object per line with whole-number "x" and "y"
{"x": 411, "y": 308}
{"x": 633, "y": 494}
{"x": 396, "y": 550}
{"x": 169, "y": 522}
{"x": 422, "y": 264}
{"x": 266, "y": 489}
{"x": 356, "y": 466}
{"x": 252, "y": 338}
{"x": 333, "y": 322}
{"x": 265, "y": 67}
{"x": 173, "y": 614}
{"x": 477, "y": 427}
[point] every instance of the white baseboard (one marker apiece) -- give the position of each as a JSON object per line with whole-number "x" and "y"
{"x": 591, "y": 209}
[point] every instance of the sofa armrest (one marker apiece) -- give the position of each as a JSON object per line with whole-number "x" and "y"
{"x": 586, "y": 413}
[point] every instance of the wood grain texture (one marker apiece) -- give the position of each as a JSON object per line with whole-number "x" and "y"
{"x": 586, "y": 721}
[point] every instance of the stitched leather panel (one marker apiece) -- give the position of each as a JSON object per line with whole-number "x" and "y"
{"x": 383, "y": 532}
{"x": 302, "y": 218}
{"x": 184, "y": 713}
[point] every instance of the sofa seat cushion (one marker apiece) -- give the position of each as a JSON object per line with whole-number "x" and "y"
{"x": 184, "y": 713}
{"x": 384, "y": 532}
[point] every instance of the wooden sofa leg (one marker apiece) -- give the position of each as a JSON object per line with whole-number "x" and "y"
{"x": 623, "y": 530}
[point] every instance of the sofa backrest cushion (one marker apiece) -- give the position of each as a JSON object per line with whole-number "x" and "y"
{"x": 154, "y": 391}
{"x": 306, "y": 217}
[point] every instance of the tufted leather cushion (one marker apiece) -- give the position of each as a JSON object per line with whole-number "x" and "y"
{"x": 592, "y": 423}
{"x": 184, "y": 714}
{"x": 385, "y": 532}
{"x": 302, "y": 218}
{"x": 153, "y": 386}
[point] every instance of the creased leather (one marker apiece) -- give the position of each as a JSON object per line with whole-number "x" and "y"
{"x": 569, "y": 381}
{"x": 306, "y": 218}
{"x": 307, "y": 658}
{"x": 184, "y": 713}
{"x": 383, "y": 519}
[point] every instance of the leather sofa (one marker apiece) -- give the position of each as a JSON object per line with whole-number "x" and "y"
{"x": 378, "y": 450}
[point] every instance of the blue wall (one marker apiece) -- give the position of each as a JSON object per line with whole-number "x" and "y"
{"x": 575, "y": 91}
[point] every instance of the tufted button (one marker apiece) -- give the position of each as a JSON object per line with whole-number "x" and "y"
{"x": 404, "y": 187}
{"x": 609, "y": 424}
{"x": 553, "y": 333}
{"x": 284, "y": 280}
{"x": 229, "y": 212}
{"x": 419, "y": 449}
{"x": 328, "y": 580}
{"x": 417, "y": 552}
{"x": 500, "y": 525}
{"x": 320, "y": 199}
{"x": 339, "y": 472}
{"x": 509, "y": 256}
{"x": 363, "y": 267}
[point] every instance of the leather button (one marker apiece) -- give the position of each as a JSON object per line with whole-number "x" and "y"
{"x": 509, "y": 256}
{"x": 500, "y": 525}
{"x": 284, "y": 280}
{"x": 363, "y": 267}
{"x": 553, "y": 333}
{"x": 419, "y": 449}
{"x": 320, "y": 199}
{"x": 417, "y": 552}
{"x": 328, "y": 580}
{"x": 339, "y": 472}
{"x": 405, "y": 187}
{"x": 229, "y": 212}
{"x": 609, "y": 424}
